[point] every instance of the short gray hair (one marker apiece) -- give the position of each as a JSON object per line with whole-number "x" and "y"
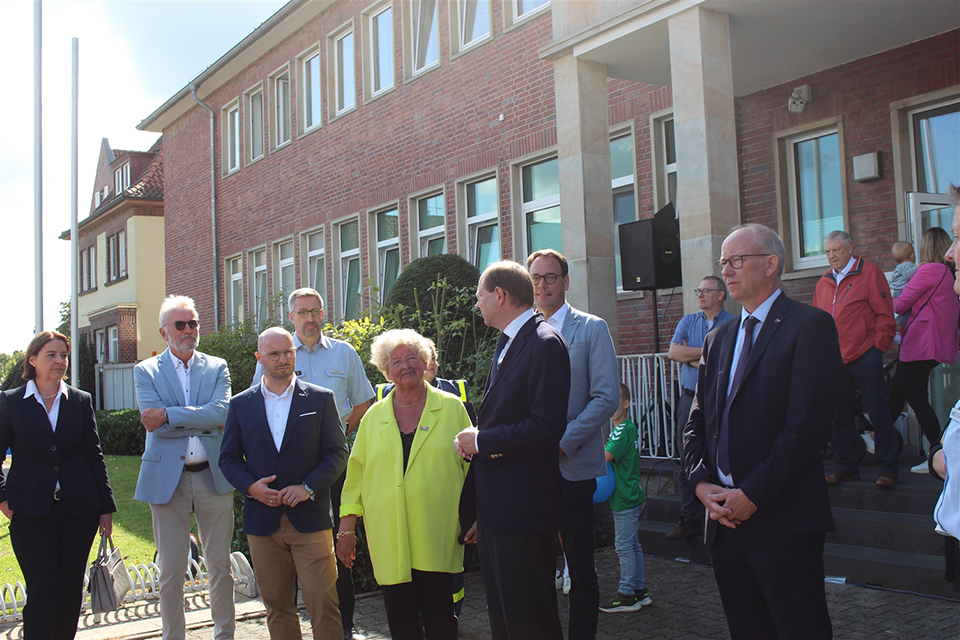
{"x": 304, "y": 292}
{"x": 767, "y": 241}
{"x": 172, "y": 302}
{"x": 953, "y": 192}
{"x": 386, "y": 343}
{"x": 844, "y": 237}
{"x": 721, "y": 285}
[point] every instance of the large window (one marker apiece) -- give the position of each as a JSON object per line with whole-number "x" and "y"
{"x": 471, "y": 22}
{"x": 117, "y": 256}
{"x": 520, "y": 10}
{"x": 430, "y": 225}
{"x": 285, "y": 273}
{"x": 388, "y": 250}
{"x": 88, "y": 269}
{"x": 310, "y": 101}
{"x": 231, "y": 137}
{"x": 258, "y": 266}
{"x": 121, "y": 178}
{"x": 624, "y": 198}
{"x": 540, "y": 186}
{"x": 344, "y": 73}
{"x": 316, "y": 262}
{"x": 936, "y": 137}
{"x": 113, "y": 354}
{"x": 378, "y": 51}
{"x": 280, "y": 118}
{"x": 422, "y": 40}
{"x": 254, "y": 129}
{"x": 235, "y": 289}
{"x": 350, "y": 269}
{"x": 483, "y": 228}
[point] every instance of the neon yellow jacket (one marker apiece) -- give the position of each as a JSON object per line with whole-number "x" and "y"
{"x": 411, "y": 519}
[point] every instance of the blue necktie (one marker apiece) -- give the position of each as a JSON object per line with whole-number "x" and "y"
{"x": 723, "y": 447}
{"x": 501, "y": 343}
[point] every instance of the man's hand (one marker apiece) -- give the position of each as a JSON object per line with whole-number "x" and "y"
{"x": 153, "y": 417}
{"x": 260, "y": 492}
{"x": 466, "y": 442}
{"x": 293, "y": 494}
{"x": 740, "y": 506}
{"x": 730, "y": 507}
{"x": 5, "y": 510}
{"x": 470, "y": 537}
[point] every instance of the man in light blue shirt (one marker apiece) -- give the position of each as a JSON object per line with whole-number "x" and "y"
{"x": 685, "y": 348}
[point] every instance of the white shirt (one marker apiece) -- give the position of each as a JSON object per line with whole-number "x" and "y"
{"x": 195, "y": 451}
{"x": 840, "y": 275}
{"x": 277, "y": 408}
{"x": 512, "y": 329}
{"x": 54, "y": 414}
{"x": 556, "y": 320}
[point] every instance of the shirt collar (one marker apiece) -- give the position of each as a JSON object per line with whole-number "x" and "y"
{"x": 513, "y": 328}
{"x": 556, "y": 320}
{"x": 178, "y": 363}
{"x": 270, "y": 394}
{"x": 760, "y": 313}
{"x": 32, "y": 390}
{"x": 843, "y": 272}
{"x": 297, "y": 342}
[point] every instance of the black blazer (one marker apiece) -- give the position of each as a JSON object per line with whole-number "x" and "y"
{"x": 779, "y": 418}
{"x": 313, "y": 451}
{"x": 42, "y": 457}
{"x": 522, "y": 418}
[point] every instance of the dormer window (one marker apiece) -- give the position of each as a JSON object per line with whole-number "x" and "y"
{"x": 121, "y": 178}
{"x": 96, "y": 199}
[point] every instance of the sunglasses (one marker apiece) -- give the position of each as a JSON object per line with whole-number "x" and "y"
{"x": 182, "y": 324}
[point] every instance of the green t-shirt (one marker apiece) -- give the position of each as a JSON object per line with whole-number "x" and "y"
{"x": 622, "y": 445}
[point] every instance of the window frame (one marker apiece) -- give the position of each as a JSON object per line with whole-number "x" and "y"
{"x": 305, "y": 124}
{"x": 280, "y": 265}
{"x": 335, "y": 74}
{"x": 512, "y": 18}
{"x": 258, "y": 273}
{"x": 457, "y": 45}
{"x": 370, "y": 49}
{"x": 410, "y": 49}
{"x": 277, "y": 100}
{"x": 469, "y": 228}
{"x": 343, "y": 260}
{"x": 121, "y": 177}
{"x": 380, "y": 248}
{"x": 521, "y": 208}
{"x": 234, "y": 277}
{"x": 662, "y": 169}
{"x": 116, "y": 256}
{"x": 309, "y": 257}
{"x": 250, "y": 130}
{"x": 230, "y": 137}
{"x": 620, "y": 186}
{"x": 113, "y": 344}
{"x": 419, "y": 239}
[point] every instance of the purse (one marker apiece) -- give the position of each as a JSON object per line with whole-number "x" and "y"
{"x": 109, "y": 580}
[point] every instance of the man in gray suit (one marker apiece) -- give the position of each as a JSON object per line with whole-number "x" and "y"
{"x": 183, "y": 397}
{"x": 594, "y": 397}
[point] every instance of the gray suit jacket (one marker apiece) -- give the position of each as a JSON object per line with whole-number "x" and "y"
{"x": 166, "y": 447}
{"x": 594, "y": 394}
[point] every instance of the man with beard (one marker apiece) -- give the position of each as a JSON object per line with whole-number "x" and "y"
{"x": 183, "y": 397}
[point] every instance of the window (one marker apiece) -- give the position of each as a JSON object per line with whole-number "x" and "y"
{"x": 665, "y": 161}
{"x": 231, "y": 138}
{"x": 343, "y": 73}
{"x": 106, "y": 191}
{"x": 117, "y": 256}
{"x": 430, "y": 225}
{"x": 258, "y": 266}
{"x": 350, "y": 269}
{"x": 316, "y": 264}
{"x": 235, "y": 292}
{"x": 121, "y": 178}
{"x": 936, "y": 138}
{"x": 96, "y": 199}
{"x": 422, "y": 41}
{"x": 624, "y": 198}
{"x": 471, "y": 23}
{"x": 310, "y": 101}
{"x": 254, "y": 128}
{"x": 101, "y": 347}
{"x": 540, "y": 188}
{"x": 280, "y": 113}
{"x": 378, "y": 51}
{"x": 87, "y": 269}
{"x": 483, "y": 228}
{"x": 388, "y": 250}
{"x": 113, "y": 355}
{"x": 520, "y": 10}
{"x": 285, "y": 274}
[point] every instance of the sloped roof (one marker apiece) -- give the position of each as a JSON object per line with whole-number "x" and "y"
{"x": 150, "y": 185}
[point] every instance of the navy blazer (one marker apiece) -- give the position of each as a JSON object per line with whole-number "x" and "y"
{"x": 313, "y": 451}
{"x": 522, "y": 418}
{"x": 42, "y": 457}
{"x": 779, "y": 418}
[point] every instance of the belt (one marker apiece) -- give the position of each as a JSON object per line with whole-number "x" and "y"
{"x": 688, "y": 392}
{"x": 56, "y": 494}
{"x": 194, "y": 468}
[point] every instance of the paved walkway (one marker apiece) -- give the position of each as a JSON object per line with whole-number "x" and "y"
{"x": 685, "y": 606}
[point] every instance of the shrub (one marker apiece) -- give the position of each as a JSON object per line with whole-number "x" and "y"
{"x": 121, "y": 433}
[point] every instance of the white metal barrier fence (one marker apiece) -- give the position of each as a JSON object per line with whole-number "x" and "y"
{"x": 654, "y": 381}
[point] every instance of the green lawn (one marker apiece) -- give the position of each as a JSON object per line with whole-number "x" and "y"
{"x": 132, "y": 530}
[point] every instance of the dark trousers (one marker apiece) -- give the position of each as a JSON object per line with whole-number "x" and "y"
{"x": 52, "y": 552}
{"x": 345, "y": 589}
{"x": 518, "y": 574}
{"x": 771, "y": 586}
{"x": 911, "y": 384}
{"x": 427, "y": 594}
{"x": 579, "y": 546}
{"x": 866, "y": 374}
{"x": 690, "y": 507}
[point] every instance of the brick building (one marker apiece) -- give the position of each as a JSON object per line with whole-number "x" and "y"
{"x": 121, "y": 256}
{"x": 350, "y": 138}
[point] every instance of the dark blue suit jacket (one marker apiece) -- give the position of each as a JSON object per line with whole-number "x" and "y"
{"x": 313, "y": 451}
{"x": 779, "y": 418}
{"x": 522, "y": 418}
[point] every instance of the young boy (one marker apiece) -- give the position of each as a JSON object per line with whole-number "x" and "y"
{"x": 906, "y": 267}
{"x": 627, "y": 506}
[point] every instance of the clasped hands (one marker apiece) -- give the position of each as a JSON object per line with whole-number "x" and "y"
{"x": 730, "y": 507}
{"x": 289, "y": 496}
{"x": 466, "y": 443}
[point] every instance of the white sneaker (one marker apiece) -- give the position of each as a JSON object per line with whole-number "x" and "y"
{"x": 566, "y": 584}
{"x": 920, "y": 468}
{"x": 558, "y": 580}
{"x": 869, "y": 442}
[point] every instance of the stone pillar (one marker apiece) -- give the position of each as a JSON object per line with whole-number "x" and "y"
{"x": 586, "y": 202}
{"x": 708, "y": 202}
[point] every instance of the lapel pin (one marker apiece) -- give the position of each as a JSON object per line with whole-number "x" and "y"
{"x": 422, "y": 428}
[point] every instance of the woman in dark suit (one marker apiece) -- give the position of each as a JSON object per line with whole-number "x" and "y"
{"x": 56, "y": 493}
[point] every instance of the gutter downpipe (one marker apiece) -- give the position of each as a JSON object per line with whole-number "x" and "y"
{"x": 213, "y": 212}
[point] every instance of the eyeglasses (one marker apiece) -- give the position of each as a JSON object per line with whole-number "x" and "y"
{"x": 274, "y": 356}
{"x": 736, "y": 262}
{"x": 704, "y": 291}
{"x": 182, "y": 324}
{"x": 306, "y": 313}
{"x": 549, "y": 278}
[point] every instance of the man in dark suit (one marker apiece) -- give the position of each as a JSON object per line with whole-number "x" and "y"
{"x": 765, "y": 394}
{"x": 283, "y": 447}
{"x": 514, "y": 453}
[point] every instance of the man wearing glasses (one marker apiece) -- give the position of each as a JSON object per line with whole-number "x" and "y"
{"x": 183, "y": 397}
{"x": 335, "y": 365}
{"x": 686, "y": 346}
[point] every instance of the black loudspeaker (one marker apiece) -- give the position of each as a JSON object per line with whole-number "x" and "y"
{"x": 650, "y": 252}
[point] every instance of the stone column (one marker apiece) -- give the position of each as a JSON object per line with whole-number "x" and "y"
{"x": 586, "y": 201}
{"x": 708, "y": 202}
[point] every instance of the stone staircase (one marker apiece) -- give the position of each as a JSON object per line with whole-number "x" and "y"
{"x": 883, "y": 537}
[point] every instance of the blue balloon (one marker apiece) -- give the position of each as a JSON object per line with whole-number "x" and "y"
{"x": 605, "y": 486}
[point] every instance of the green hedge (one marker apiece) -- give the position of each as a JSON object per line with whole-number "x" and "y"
{"x": 121, "y": 433}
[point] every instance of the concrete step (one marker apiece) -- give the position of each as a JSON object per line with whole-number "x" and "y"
{"x": 913, "y": 572}
{"x": 653, "y": 539}
{"x": 901, "y": 532}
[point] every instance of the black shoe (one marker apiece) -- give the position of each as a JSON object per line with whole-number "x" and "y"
{"x": 685, "y": 529}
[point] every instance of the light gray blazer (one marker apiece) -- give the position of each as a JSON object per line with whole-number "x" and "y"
{"x": 166, "y": 447}
{"x": 594, "y": 394}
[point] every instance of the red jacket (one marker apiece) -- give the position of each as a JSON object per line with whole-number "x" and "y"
{"x": 862, "y": 309}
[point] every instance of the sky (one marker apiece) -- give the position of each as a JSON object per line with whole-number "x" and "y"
{"x": 133, "y": 56}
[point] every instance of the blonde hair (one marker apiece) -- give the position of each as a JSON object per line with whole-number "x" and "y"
{"x": 901, "y": 251}
{"x": 386, "y": 343}
{"x": 934, "y": 245}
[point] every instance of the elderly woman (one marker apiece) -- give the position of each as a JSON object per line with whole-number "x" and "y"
{"x": 405, "y": 478}
{"x": 930, "y": 335}
{"x": 56, "y": 493}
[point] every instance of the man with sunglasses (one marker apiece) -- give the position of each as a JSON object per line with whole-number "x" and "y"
{"x": 183, "y": 397}
{"x": 686, "y": 347}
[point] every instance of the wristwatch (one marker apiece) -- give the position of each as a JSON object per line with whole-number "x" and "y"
{"x": 313, "y": 495}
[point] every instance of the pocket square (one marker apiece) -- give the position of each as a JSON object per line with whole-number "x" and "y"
{"x": 312, "y": 413}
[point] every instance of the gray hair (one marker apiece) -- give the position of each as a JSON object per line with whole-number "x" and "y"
{"x": 953, "y": 192}
{"x": 767, "y": 242}
{"x": 844, "y": 237}
{"x": 172, "y": 302}
{"x": 304, "y": 292}
{"x": 721, "y": 285}
{"x": 386, "y": 343}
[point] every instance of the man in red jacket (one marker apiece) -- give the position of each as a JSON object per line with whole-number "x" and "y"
{"x": 856, "y": 294}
